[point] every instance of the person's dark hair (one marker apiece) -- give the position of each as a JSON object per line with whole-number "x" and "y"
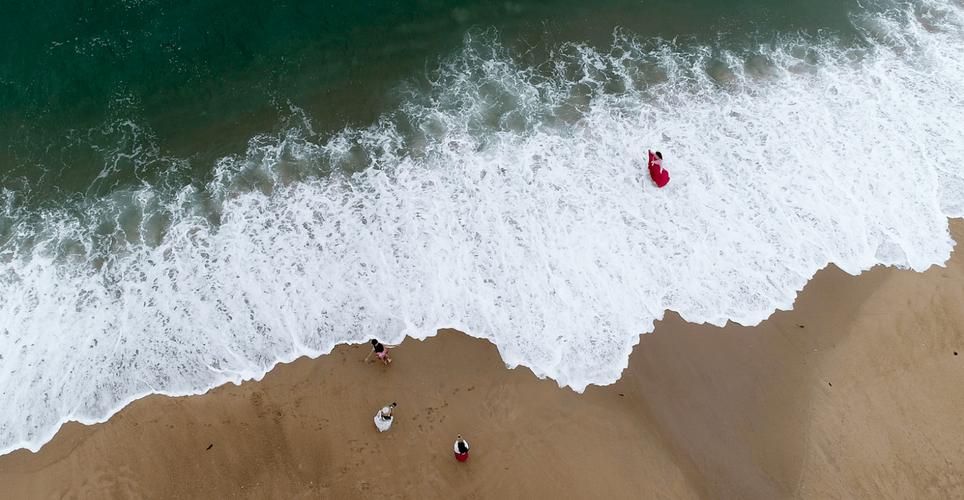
{"x": 659, "y": 155}
{"x": 394, "y": 404}
{"x": 374, "y": 342}
{"x": 462, "y": 447}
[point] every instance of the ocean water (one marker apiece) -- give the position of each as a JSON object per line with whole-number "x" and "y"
{"x": 191, "y": 194}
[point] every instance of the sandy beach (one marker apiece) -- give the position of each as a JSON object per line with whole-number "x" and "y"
{"x": 855, "y": 393}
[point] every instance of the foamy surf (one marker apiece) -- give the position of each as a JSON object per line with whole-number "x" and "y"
{"x": 507, "y": 201}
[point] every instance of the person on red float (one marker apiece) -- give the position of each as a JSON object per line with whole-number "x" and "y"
{"x": 656, "y": 171}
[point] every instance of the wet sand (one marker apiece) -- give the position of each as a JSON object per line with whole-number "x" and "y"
{"x": 858, "y": 392}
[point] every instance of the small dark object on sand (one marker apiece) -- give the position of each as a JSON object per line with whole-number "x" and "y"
{"x": 210, "y": 446}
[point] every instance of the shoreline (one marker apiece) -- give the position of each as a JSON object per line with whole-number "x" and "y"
{"x": 853, "y": 392}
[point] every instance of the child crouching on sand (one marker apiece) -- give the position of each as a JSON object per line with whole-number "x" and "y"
{"x": 385, "y": 417}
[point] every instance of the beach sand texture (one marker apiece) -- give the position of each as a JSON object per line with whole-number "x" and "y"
{"x": 856, "y": 393}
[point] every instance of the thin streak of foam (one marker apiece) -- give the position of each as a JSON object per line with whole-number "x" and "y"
{"x": 509, "y": 204}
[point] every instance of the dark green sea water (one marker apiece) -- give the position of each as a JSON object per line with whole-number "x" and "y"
{"x": 100, "y": 94}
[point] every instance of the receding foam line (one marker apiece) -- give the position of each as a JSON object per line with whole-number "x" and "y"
{"x": 508, "y": 202}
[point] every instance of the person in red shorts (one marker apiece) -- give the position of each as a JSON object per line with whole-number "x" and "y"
{"x": 659, "y": 175}
{"x": 461, "y": 449}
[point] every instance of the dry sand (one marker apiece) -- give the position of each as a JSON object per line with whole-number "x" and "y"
{"x": 856, "y": 393}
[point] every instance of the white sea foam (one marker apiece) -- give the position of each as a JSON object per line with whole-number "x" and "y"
{"x": 505, "y": 201}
